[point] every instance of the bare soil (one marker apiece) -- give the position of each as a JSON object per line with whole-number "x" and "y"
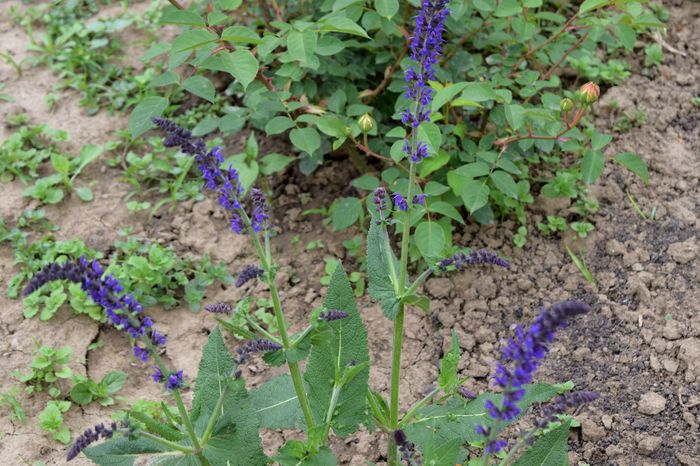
{"x": 639, "y": 348}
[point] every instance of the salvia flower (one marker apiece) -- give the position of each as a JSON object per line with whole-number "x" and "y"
{"x": 419, "y": 199}
{"x": 332, "y": 314}
{"x": 175, "y": 381}
{"x": 157, "y": 376}
{"x": 426, "y": 48}
{"x": 406, "y": 447}
{"x": 399, "y": 201}
{"x": 91, "y": 435}
{"x": 254, "y": 346}
{"x": 466, "y": 393}
{"x": 561, "y": 404}
{"x": 67, "y": 271}
{"x": 482, "y": 257}
{"x": 520, "y": 359}
{"x": 249, "y": 272}
{"x": 260, "y": 210}
{"x": 218, "y": 308}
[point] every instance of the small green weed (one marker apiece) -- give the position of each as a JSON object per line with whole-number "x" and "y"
{"x": 51, "y": 420}
{"x": 48, "y": 368}
{"x": 86, "y": 390}
{"x": 9, "y": 399}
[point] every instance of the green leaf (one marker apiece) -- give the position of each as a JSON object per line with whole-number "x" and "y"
{"x": 386, "y": 8}
{"x": 341, "y": 24}
{"x": 60, "y": 163}
{"x": 244, "y": 67}
{"x": 478, "y": 92}
{"x": 193, "y": 38}
{"x": 278, "y": 124}
{"x": 447, "y": 380}
{"x": 302, "y": 45}
{"x": 182, "y": 17}
{"x": 549, "y": 450}
{"x": 430, "y": 239}
{"x": 589, "y": 5}
{"x": 442, "y": 207}
{"x": 444, "y": 95}
{"x": 504, "y": 183}
{"x": 80, "y": 393}
{"x": 474, "y": 170}
{"x": 201, "y": 87}
{"x": 475, "y": 195}
{"x": 633, "y": 163}
{"x": 235, "y": 437}
{"x": 366, "y": 182}
{"x": 140, "y": 118}
{"x": 515, "y": 114}
{"x": 84, "y": 193}
{"x": 274, "y": 162}
{"x": 626, "y": 35}
{"x": 121, "y": 451}
{"x": 380, "y": 264}
{"x": 305, "y": 139}
{"x": 347, "y": 347}
{"x": 240, "y": 35}
{"x": 345, "y": 213}
{"x": 113, "y": 381}
{"x": 507, "y": 8}
{"x": 276, "y": 404}
{"x": 430, "y": 134}
{"x": 592, "y": 166}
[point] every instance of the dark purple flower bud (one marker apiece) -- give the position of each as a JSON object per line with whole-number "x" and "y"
{"x": 399, "y": 201}
{"x": 90, "y": 436}
{"x": 175, "y": 381}
{"x": 461, "y": 261}
{"x": 332, "y": 314}
{"x": 249, "y": 272}
{"x": 218, "y": 308}
{"x": 260, "y": 210}
{"x": 406, "y": 447}
{"x": 67, "y": 271}
{"x": 141, "y": 353}
{"x": 157, "y": 375}
{"x": 466, "y": 393}
{"x": 254, "y": 346}
{"x": 380, "y": 202}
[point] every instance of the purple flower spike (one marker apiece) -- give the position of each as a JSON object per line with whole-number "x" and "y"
{"x": 461, "y": 261}
{"x": 157, "y": 375}
{"x": 260, "y": 210}
{"x": 520, "y": 359}
{"x": 254, "y": 346}
{"x": 380, "y": 202}
{"x": 332, "y": 314}
{"x": 426, "y": 48}
{"x": 250, "y": 272}
{"x": 90, "y": 436}
{"x": 218, "y": 308}
{"x": 406, "y": 447}
{"x": 419, "y": 199}
{"x": 466, "y": 393}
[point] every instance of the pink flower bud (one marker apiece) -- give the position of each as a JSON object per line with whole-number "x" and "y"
{"x": 589, "y": 93}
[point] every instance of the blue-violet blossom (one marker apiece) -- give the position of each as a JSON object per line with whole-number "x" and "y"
{"x": 519, "y": 361}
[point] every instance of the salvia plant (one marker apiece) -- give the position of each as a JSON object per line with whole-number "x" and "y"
{"x": 325, "y": 392}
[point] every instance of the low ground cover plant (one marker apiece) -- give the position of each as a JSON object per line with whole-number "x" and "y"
{"x": 325, "y": 392}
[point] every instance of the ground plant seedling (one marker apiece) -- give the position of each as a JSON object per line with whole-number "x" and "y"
{"x": 328, "y": 232}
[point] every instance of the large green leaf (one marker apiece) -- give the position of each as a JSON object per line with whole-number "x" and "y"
{"x": 201, "y": 87}
{"x": 549, "y": 450}
{"x": 475, "y": 195}
{"x": 305, "y": 139}
{"x": 386, "y": 8}
{"x": 430, "y": 239}
{"x": 235, "y": 436}
{"x": 592, "y": 165}
{"x": 347, "y": 347}
{"x": 633, "y": 163}
{"x": 121, "y": 451}
{"x": 380, "y": 262}
{"x": 276, "y": 404}
{"x": 140, "y": 118}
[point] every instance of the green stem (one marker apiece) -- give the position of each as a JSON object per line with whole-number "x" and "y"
{"x": 215, "y": 413}
{"x": 186, "y": 419}
{"x": 412, "y": 412}
{"x": 418, "y": 281}
{"x": 396, "y": 369}
{"x": 164, "y": 442}
{"x": 294, "y": 371}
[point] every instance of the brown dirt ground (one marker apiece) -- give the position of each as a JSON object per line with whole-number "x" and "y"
{"x": 642, "y": 337}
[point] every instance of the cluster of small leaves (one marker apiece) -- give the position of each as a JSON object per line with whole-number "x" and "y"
{"x": 10, "y": 400}
{"x": 311, "y": 72}
{"x": 47, "y": 369}
{"x": 86, "y": 390}
{"x": 86, "y": 53}
{"x": 51, "y": 420}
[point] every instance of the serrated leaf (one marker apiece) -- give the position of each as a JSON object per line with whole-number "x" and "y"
{"x": 430, "y": 239}
{"x": 447, "y": 380}
{"x": 347, "y": 347}
{"x": 201, "y": 87}
{"x": 592, "y": 166}
{"x": 140, "y": 118}
{"x": 276, "y": 404}
{"x": 244, "y": 67}
{"x": 380, "y": 259}
{"x": 475, "y": 195}
{"x": 235, "y": 436}
{"x": 634, "y": 163}
{"x": 549, "y": 450}
{"x": 302, "y": 45}
{"x": 121, "y": 451}
{"x": 305, "y": 139}
{"x": 504, "y": 183}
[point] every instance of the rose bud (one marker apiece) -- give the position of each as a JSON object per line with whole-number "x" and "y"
{"x": 589, "y": 93}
